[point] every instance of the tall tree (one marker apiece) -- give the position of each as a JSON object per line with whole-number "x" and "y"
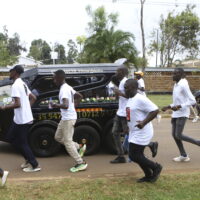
{"x": 105, "y": 44}
{"x": 40, "y": 50}
{"x": 72, "y": 52}
{"x": 143, "y": 34}
{"x": 178, "y": 34}
{"x": 61, "y": 53}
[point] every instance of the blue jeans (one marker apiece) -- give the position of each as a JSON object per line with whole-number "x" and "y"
{"x": 17, "y": 136}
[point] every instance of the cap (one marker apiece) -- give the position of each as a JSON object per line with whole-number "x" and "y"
{"x": 18, "y": 68}
{"x": 139, "y": 73}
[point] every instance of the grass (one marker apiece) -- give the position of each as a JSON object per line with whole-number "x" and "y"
{"x": 161, "y": 100}
{"x": 168, "y": 187}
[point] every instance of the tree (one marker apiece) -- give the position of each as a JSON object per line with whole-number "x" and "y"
{"x": 81, "y": 41}
{"x": 72, "y": 52}
{"x": 61, "y": 53}
{"x": 178, "y": 34}
{"x": 10, "y": 48}
{"x": 105, "y": 44}
{"x": 40, "y": 50}
{"x": 143, "y": 35}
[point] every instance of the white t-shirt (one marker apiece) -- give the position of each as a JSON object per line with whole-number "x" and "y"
{"x": 141, "y": 85}
{"x": 183, "y": 96}
{"x": 122, "y": 101}
{"x": 67, "y": 92}
{"x": 22, "y": 115}
{"x": 137, "y": 109}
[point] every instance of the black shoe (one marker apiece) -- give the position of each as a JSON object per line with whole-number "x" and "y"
{"x": 119, "y": 159}
{"x": 156, "y": 173}
{"x": 144, "y": 179}
{"x": 154, "y": 148}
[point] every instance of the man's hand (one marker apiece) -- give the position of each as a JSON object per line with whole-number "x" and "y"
{"x": 175, "y": 108}
{"x": 140, "y": 124}
{"x": 166, "y": 108}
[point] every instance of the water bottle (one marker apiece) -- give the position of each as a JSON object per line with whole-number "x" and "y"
{"x": 50, "y": 103}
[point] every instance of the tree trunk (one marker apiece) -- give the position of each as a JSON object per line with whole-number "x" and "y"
{"x": 143, "y": 36}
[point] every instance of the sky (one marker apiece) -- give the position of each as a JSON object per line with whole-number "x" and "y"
{"x": 61, "y": 20}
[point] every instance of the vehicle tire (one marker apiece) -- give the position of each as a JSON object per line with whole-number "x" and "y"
{"x": 110, "y": 144}
{"x": 42, "y": 142}
{"x": 91, "y": 135}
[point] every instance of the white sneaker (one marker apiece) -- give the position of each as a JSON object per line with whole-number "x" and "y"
{"x": 4, "y": 178}
{"x": 195, "y": 119}
{"x": 25, "y": 165}
{"x": 181, "y": 159}
{"x": 31, "y": 169}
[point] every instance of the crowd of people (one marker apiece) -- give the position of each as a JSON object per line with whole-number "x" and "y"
{"x": 133, "y": 119}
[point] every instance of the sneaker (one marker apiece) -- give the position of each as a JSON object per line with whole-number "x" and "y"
{"x": 4, "y": 178}
{"x": 82, "y": 150}
{"x": 195, "y": 119}
{"x": 154, "y": 148}
{"x": 79, "y": 167}
{"x": 181, "y": 159}
{"x": 119, "y": 159}
{"x": 156, "y": 173}
{"x": 144, "y": 179}
{"x": 25, "y": 165}
{"x": 31, "y": 169}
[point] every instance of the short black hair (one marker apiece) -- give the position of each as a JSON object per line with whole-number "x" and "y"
{"x": 181, "y": 70}
{"x": 124, "y": 70}
{"x": 132, "y": 82}
{"x": 18, "y": 68}
{"x": 60, "y": 73}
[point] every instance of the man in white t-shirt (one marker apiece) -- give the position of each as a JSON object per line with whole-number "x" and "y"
{"x": 120, "y": 123}
{"x": 65, "y": 130}
{"x": 183, "y": 99}
{"x": 18, "y": 132}
{"x": 140, "y": 111}
{"x": 140, "y": 80}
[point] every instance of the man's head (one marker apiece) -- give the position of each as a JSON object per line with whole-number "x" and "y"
{"x": 131, "y": 87}
{"x": 16, "y": 71}
{"x": 178, "y": 74}
{"x": 121, "y": 73}
{"x": 139, "y": 75}
{"x": 59, "y": 77}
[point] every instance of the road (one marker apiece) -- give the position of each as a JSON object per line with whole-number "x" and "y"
{"x": 99, "y": 166}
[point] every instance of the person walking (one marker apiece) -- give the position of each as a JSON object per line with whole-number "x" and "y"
{"x": 65, "y": 131}
{"x": 120, "y": 123}
{"x": 140, "y": 80}
{"x": 140, "y": 111}
{"x": 3, "y": 175}
{"x": 18, "y": 131}
{"x": 182, "y": 101}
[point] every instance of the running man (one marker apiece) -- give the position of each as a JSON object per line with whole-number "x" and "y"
{"x": 65, "y": 130}
{"x": 18, "y": 132}
{"x": 140, "y": 112}
{"x": 182, "y": 101}
{"x": 3, "y": 175}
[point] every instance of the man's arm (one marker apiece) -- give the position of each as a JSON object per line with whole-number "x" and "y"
{"x": 142, "y": 89}
{"x": 32, "y": 98}
{"x": 15, "y": 104}
{"x": 64, "y": 105}
{"x": 77, "y": 98}
{"x": 119, "y": 93}
{"x": 149, "y": 118}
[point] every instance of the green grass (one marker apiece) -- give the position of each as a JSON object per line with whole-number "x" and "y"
{"x": 168, "y": 187}
{"x": 161, "y": 100}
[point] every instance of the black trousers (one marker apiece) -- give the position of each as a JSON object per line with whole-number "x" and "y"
{"x": 136, "y": 153}
{"x": 119, "y": 126}
{"x": 1, "y": 172}
{"x": 177, "y": 133}
{"x": 17, "y": 136}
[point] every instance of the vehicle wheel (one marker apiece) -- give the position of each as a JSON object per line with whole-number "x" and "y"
{"x": 110, "y": 144}
{"x": 91, "y": 135}
{"x": 42, "y": 142}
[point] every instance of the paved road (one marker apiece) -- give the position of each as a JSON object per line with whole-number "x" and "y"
{"x": 57, "y": 167}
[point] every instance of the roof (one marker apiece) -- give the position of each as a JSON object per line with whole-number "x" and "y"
{"x": 163, "y": 69}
